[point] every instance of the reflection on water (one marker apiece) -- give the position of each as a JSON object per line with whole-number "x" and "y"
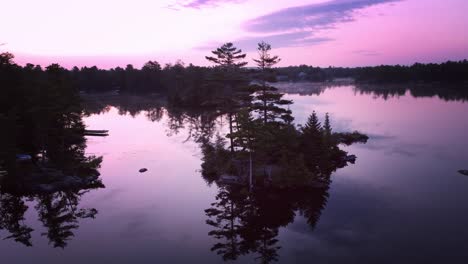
{"x": 54, "y": 179}
{"x": 402, "y": 200}
{"x": 385, "y": 91}
{"x": 248, "y": 222}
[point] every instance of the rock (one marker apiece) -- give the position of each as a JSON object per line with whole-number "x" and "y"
{"x": 464, "y": 172}
{"x": 350, "y": 158}
{"x": 143, "y": 170}
{"x": 350, "y": 138}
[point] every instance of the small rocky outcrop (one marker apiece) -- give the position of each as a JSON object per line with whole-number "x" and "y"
{"x": 50, "y": 180}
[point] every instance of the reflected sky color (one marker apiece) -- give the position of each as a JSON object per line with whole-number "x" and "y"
{"x": 403, "y": 199}
{"x": 318, "y": 32}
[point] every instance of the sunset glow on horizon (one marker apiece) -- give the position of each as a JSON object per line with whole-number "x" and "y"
{"x": 314, "y": 32}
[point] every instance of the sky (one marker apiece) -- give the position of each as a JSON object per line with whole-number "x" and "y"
{"x": 110, "y": 33}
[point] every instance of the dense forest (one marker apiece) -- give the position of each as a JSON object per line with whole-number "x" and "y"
{"x": 197, "y": 86}
{"x": 448, "y": 72}
{"x": 42, "y": 152}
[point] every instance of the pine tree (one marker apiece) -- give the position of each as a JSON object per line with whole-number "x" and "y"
{"x": 327, "y": 132}
{"x": 229, "y": 59}
{"x": 313, "y": 126}
{"x": 228, "y": 56}
{"x": 327, "y": 126}
{"x": 265, "y": 61}
{"x": 269, "y": 102}
{"x": 312, "y": 143}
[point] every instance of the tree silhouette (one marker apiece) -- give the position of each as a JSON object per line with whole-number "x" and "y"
{"x": 12, "y": 209}
{"x": 224, "y": 216}
{"x": 59, "y": 213}
{"x": 229, "y": 59}
{"x": 228, "y": 56}
{"x": 269, "y": 102}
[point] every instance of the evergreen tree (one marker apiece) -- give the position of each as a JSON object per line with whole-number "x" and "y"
{"x": 312, "y": 143}
{"x": 230, "y": 60}
{"x": 327, "y": 132}
{"x": 228, "y": 56}
{"x": 269, "y": 102}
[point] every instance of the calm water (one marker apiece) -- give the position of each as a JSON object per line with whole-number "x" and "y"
{"x": 402, "y": 202}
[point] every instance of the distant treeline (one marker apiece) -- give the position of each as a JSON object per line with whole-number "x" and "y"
{"x": 450, "y": 72}
{"x": 179, "y": 81}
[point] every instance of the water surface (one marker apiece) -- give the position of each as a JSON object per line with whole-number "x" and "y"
{"x": 402, "y": 202}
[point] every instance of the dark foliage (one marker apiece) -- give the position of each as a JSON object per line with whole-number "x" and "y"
{"x": 41, "y": 115}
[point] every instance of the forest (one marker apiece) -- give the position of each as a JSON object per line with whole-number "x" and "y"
{"x": 192, "y": 85}
{"x": 451, "y": 72}
{"x": 264, "y": 154}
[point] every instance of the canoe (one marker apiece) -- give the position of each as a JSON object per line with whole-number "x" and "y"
{"x": 23, "y": 157}
{"x": 97, "y": 133}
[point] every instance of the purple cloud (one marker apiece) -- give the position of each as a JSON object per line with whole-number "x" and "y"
{"x": 310, "y": 17}
{"x": 279, "y": 40}
{"x": 197, "y": 4}
{"x": 305, "y": 21}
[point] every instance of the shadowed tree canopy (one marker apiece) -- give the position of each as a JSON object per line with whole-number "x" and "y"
{"x": 228, "y": 56}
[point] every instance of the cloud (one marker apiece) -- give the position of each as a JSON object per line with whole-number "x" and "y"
{"x": 277, "y": 40}
{"x": 293, "y": 39}
{"x": 368, "y": 53}
{"x": 295, "y": 26}
{"x": 197, "y": 4}
{"x": 282, "y": 40}
{"x": 309, "y": 17}
{"x": 298, "y": 26}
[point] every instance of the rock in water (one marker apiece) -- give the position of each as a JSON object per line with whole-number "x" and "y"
{"x": 464, "y": 172}
{"x": 350, "y": 158}
{"x": 143, "y": 170}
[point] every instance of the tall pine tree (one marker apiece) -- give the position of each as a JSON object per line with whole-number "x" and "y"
{"x": 269, "y": 103}
{"x": 229, "y": 60}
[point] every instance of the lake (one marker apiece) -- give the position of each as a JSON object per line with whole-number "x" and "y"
{"x": 403, "y": 201}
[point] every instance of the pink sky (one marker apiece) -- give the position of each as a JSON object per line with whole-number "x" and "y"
{"x": 110, "y": 33}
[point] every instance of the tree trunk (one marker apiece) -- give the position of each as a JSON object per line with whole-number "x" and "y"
{"x": 230, "y": 132}
{"x": 250, "y": 172}
{"x": 264, "y": 96}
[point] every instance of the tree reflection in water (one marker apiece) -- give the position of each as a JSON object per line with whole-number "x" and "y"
{"x": 58, "y": 210}
{"x": 271, "y": 171}
{"x": 291, "y": 179}
{"x": 54, "y": 178}
{"x": 292, "y": 168}
{"x": 248, "y": 222}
